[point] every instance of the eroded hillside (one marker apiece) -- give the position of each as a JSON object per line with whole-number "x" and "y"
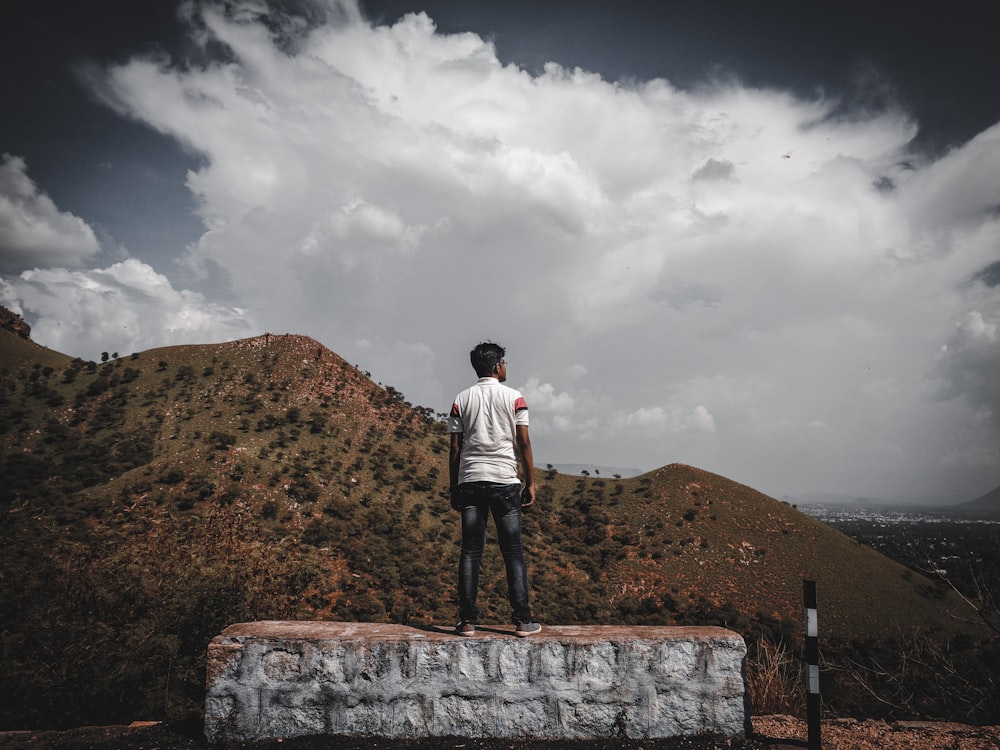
{"x": 150, "y": 500}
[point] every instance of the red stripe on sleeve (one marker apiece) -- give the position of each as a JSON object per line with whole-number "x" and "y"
{"x": 520, "y": 404}
{"x": 454, "y": 411}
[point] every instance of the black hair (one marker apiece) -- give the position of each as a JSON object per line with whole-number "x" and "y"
{"x": 485, "y": 357}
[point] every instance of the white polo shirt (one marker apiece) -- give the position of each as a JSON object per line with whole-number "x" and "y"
{"x": 488, "y": 414}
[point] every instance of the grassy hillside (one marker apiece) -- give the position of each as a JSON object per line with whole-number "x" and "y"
{"x": 150, "y": 500}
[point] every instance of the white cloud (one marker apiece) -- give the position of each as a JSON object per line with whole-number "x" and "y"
{"x": 124, "y": 308}
{"x": 706, "y": 274}
{"x": 970, "y": 363}
{"x": 700, "y": 420}
{"x": 654, "y": 418}
{"x": 544, "y": 398}
{"x": 33, "y": 232}
{"x": 657, "y": 421}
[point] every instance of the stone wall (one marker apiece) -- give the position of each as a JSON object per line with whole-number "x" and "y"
{"x": 269, "y": 680}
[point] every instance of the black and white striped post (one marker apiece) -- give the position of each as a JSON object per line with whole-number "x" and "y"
{"x": 812, "y": 664}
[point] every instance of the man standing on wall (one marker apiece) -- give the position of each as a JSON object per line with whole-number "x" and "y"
{"x": 489, "y": 438}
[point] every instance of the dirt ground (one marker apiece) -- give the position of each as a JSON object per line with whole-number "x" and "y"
{"x": 851, "y": 734}
{"x": 770, "y": 733}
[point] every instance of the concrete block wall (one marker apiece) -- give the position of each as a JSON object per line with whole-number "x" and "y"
{"x": 270, "y": 680}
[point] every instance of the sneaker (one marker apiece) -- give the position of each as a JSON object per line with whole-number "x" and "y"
{"x": 523, "y": 629}
{"x": 465, "y": 628}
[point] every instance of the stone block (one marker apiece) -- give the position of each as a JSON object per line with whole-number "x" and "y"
{"x": 271, "y": 680}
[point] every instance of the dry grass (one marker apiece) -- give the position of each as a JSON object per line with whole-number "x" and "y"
{"x": 775, "y": 679}
{"x": 157, "y": 497}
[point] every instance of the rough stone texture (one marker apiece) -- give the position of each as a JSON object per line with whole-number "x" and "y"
{"x": 269, "y": 680}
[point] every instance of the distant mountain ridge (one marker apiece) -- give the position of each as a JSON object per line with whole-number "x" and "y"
{"x": 988, "y": 502}
{"x": 149, "y": 501}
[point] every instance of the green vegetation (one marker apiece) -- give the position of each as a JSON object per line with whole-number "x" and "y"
{"x": 151, "y": 500}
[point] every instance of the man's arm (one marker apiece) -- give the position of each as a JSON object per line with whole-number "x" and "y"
{"x": 527, "y": 464}
{"x": 455, "y": 459}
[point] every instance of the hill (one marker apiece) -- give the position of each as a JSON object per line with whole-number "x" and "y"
{"x": 150, "y": 500}
{"x": 988, "y": 504}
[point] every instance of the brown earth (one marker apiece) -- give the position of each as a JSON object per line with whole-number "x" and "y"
{"x": 851, "y": 734}
{"x": 770, "y": 732}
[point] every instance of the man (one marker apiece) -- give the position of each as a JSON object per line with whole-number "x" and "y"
{"x": 489, "y": 438}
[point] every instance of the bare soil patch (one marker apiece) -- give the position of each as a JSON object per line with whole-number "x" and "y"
{"x": 851, "y": 734}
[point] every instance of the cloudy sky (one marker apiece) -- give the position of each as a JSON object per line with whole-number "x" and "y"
{"x": 759, "y": 238}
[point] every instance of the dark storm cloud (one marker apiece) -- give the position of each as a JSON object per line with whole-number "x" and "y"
{"x": 388, "y": 187}
{"x": 990, "y": 275}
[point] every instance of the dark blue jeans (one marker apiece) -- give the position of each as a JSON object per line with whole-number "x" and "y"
{"x": 480, "y": 500}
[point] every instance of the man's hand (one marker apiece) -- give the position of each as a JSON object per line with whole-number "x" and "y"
{"x": 528, "y": 496}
